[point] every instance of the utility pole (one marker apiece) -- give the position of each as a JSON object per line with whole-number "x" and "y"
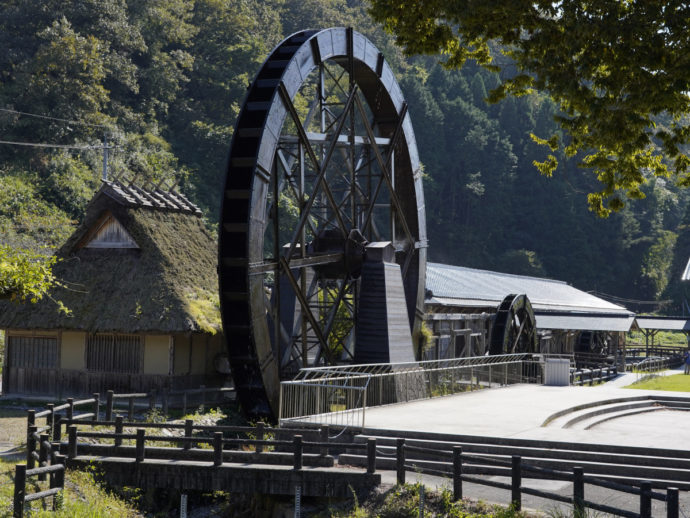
{"x": 105, "y": 157}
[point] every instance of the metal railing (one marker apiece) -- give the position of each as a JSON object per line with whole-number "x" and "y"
{"x": 650, "y": 367}
{"x": 340, "y": 395}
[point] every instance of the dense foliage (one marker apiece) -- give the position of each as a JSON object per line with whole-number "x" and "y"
{"x": 614, "y": 67}
{"x": 163, "y": 82}
{"x": 24, "y": 275}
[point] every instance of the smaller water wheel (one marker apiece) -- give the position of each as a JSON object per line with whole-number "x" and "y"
{"x": 515, "y": 329}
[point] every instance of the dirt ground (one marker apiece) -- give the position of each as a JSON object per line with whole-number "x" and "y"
{"x": 12, "y": 427}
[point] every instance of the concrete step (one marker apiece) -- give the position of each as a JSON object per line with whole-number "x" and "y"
{"x": 580, "y": 419}
{"x": 558, "y": 419}
{"x": 594, "y": 421}
{"x": 582, "y": 416}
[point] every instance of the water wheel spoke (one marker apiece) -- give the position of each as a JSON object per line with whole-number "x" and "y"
{"x": 306, "y": 309}
{"x": 385, "y": 170}
{"x": 393, "y": 142}
{"x": 320, "y": 167}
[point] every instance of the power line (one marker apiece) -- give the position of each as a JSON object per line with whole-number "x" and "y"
{"x": 633, "y": 301}
{"x": 7, "y": 110}
{"x": 61, "y": 146}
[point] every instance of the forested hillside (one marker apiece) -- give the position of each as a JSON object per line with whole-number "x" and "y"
{"x": 162, "y": 81}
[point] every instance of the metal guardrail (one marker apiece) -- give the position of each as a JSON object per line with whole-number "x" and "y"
{"x": 340, "y": 395}
{"x": 650, "y": 366}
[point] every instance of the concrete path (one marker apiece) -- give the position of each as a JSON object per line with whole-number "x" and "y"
{"x": 519, "y": 411}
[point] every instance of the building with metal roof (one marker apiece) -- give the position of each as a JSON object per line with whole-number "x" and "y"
{"x": 565, "y": 316}
{"x": 651, "y": 325}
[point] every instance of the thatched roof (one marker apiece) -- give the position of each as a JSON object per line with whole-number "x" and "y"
{"x": 167, "y": 283}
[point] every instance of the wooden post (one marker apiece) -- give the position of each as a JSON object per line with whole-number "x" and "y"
{"x": 19, "y": 490}
{"x": 218, "y": 449}
{"x": 260, "y": 435}
{"x": 118, "y": 430}
{"x": 400, "y": 460}
{"x": 371, "y": 455}
{"x": 457, "y": 473}
{"x": 109, "y": 405}
{"x": 130, "y": 410}
{"x": 31, "y": 447}
{"x": 578, "y": 491}
{"x": 152, "y": 399}
{"x": 188, "y": 430}
{"x": 42, "y": 454}
{"x": 50, "y": 418}
{"x": 297, "y": 448}
{"x": 325, "y": 434}
{"x": 645, "y": 499}
{"x": 96, "y": 405}
{"x": 203, "y": 395}
{"x": 57, "y": 428}
{"x": 30, "y": 441}
{"x": 72, "y": 445}
{"x": 672, "y": 502}
{"x": 516, "y": 494}
{"x": 57, "y": 479}
{"x": 70, "y": 408}
{"x": 141, "y": 445}
{"x": 165, "y": 402}
{"x": 184, "y": 403}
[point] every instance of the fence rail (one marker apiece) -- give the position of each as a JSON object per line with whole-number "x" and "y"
{"x": 340, "y": 395}
{"x": 592, "y": 376}
{"x": 210, "y": 446}
{"x": 56, "y": 472}
{"x": 517, "y": 469}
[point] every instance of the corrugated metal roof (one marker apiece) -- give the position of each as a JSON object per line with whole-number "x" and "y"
{"x": 584, "y": 322}
{"x": 664, "y": 323}
{"x": 457, "y": 285}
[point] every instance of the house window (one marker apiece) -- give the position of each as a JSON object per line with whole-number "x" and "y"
{"x": 113, "y": 353}
{"x": 32, "y": 352}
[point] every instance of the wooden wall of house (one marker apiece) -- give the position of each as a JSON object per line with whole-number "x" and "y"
{"x": 63, "y": 363}
{"x": 198, "y": 356}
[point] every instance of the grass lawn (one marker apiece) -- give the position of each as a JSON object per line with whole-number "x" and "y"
{"x": 83, "y": 497}
{"x": 666, "y": 338}
{"x": 674, "y": 382}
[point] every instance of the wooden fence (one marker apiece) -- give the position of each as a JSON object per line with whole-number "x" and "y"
{"x": 592, "y": 376}
{"x": 56, "y": 472}
{"x": 210, "y": 446}
{"x": 518, "y": 469}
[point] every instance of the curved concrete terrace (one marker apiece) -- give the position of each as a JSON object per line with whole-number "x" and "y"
{"x": 519, "y": 411}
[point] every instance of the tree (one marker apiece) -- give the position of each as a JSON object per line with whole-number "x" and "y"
{"x": 614, "y": 67}
{"x": 25, "y": 275}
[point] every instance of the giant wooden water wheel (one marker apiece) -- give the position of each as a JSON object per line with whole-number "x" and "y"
{"x": 514, "y": 329}
{"x": 323, "y": 161}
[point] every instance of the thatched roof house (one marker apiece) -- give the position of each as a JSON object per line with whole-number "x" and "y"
{"x": 139, "y": 279}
